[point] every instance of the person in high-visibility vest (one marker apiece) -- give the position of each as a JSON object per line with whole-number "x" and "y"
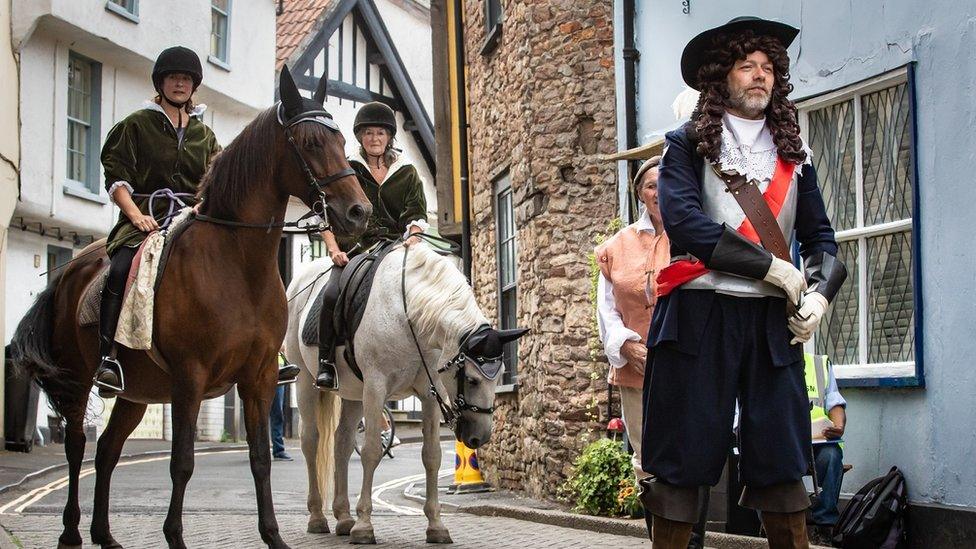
{"x": 828, "y": 418}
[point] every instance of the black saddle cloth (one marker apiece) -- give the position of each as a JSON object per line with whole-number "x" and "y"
{"x": 354, "y": 287}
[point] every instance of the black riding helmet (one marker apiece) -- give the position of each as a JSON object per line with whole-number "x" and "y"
{"x": 177, "y": 59}
{"x": 375, "y": 114}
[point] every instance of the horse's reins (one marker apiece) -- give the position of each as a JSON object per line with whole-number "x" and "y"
{"x": 450, "y": 413}
{"x": 317, "y": 185}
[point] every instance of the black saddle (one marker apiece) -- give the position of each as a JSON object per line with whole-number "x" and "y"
{"x": 354, "y": 287}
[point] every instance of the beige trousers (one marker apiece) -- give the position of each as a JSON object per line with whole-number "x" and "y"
{"x": 632, "y": 410}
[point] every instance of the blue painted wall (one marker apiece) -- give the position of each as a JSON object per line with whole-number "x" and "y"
{"x": 929, "y": 432}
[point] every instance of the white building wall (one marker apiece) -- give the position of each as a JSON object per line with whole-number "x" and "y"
{"x": 44, "y": 32}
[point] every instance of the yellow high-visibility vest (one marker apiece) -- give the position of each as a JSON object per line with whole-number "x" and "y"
{"x": 817, "y": 378}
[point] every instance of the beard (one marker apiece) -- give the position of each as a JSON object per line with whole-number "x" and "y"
{"x": 746, "y": 102}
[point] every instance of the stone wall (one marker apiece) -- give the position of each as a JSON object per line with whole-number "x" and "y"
{"x": 542, "y": 108}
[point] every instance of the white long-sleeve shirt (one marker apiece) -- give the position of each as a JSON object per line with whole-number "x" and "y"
{"x": 613, "y": 333}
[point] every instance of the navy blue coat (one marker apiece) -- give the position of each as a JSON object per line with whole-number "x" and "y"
{"x": 692, "y": 231}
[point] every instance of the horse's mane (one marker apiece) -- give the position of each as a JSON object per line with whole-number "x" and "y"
{"x": 247, "y": 159}
{"x": 438, "y": 294}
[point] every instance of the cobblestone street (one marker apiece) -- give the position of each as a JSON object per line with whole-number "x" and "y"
{"x": 240, "y": 530}
{"x": 220, "y": 509}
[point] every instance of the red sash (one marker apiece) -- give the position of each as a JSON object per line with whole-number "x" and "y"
{"x": 686, "y": 270}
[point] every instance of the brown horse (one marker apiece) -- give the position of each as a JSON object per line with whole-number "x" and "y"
{"x": 221, "y": 312}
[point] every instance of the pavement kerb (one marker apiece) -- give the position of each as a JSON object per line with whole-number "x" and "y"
{"x": 124, "y": 457}
{"x": 7, "y": 541}
{"x": 603, "y": 525}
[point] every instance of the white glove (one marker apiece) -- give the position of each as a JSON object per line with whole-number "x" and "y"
{"x": 789, "y": 278}
{"x": 807, "y": 319}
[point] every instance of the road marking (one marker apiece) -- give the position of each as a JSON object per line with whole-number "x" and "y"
{"x": 37, "y": 494}
{"x": 400, "y": 483}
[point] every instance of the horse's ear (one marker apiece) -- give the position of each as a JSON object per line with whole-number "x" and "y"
{"x": 322, "y": 90}
{"x": 288, "y": 91}
{"x": 506, "y": 336}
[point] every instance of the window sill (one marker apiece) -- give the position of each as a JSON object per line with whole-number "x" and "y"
{"x": 510, "y": 388}
{"x": 899, "y": 374}
{"x": 77, "y": 190}
{"x": 491, "y": 41}
{"x": 121, "y": 12}
{"x": 219, "y": 63}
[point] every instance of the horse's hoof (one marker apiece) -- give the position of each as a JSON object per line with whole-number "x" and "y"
{"x": 318, "y": 526}
{"x": 344, "y": 526}
{"x": 439, "y": 535}
{"x": 362, "y": 536}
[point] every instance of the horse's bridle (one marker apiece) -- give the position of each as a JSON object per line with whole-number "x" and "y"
{"x": 316, "y": 184}
{"x": 489, "y": 367}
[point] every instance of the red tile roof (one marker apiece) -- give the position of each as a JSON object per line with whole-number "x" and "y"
{"x": 298, "y": 24}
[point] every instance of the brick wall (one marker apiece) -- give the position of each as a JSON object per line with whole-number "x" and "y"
{"x": 542, "y": 108}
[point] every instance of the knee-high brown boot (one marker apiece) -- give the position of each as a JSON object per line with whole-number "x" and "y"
{"x": 670, "y": 534}
{"x": 786, "y": 530}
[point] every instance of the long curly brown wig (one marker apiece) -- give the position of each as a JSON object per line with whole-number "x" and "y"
{"x": 780, "y": 114}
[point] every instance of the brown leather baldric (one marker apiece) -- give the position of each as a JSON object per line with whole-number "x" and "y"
{"x": 750, "y": 199}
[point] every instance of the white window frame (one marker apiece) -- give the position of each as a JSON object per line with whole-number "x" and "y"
{"x": 213, "y": 58}
{"x": 91, "y": 187}
{"x": 131, "y": 13}
{"x": 906, "y": 373}
{"x": 503, "y": 185}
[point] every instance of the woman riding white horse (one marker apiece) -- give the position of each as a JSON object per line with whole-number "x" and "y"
{"x": 421, "y": 327}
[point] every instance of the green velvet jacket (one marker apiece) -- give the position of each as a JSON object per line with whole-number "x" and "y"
{"x": 397, "y": 202}
{"x": 142, "y": 152}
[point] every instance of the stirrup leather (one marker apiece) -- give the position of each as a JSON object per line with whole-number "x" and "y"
{"x": 117, "y": 370}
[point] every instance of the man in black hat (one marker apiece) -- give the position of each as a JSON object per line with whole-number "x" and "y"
{"x": 735, "y": 183}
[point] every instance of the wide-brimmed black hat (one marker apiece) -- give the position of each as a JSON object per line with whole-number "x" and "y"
{"x": 693, "y": 57}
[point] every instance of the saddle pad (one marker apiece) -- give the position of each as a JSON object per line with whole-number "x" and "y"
{"x": 354, "y": 286}
{"x": 91, "y": 300}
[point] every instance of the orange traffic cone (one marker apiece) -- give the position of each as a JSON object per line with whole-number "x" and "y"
{"x": 467, "y": 473}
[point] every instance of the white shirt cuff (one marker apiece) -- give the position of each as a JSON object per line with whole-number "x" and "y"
{"x": 116, "y": 185}
{"x": 615, "y": 340}
{"x": 416, "y": 223}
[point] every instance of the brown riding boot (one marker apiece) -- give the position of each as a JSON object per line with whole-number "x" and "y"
{"x": 670, "y": 534}
{"x": 786, "y": 530}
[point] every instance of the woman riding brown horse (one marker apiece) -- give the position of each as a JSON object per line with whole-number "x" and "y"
{"x": 221, "y": 310}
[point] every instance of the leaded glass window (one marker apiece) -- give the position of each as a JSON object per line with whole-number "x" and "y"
{"x": 861, "y": 139}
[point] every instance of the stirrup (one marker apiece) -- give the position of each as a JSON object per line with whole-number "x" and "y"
{"x": 108, "y": 389}
{"x": 323, "y": 365}
{"x": 288, "y": 373}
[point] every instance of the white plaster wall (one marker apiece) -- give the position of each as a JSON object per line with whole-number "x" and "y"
{"x": 411, "y": 35}
{"x": 163, "y": 24}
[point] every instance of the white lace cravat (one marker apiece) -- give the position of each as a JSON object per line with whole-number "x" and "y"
{"x": 755, "y": 160}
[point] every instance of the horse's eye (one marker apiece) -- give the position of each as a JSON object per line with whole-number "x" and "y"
{"x": 471, "y": 380}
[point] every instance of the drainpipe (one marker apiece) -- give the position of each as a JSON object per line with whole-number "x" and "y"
{"x": 630, "y": 55}
{"x": 462, "y": 138}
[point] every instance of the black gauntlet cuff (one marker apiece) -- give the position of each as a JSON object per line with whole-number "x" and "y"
{"x": 737, "y": 255}
{"x": 825, "y": 274}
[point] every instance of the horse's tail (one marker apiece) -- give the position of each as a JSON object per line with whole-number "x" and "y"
{"x": 30, "y": 349}
{"x": 327, "y": 420}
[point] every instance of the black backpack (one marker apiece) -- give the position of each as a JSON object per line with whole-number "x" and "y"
{"x": 876, "y": 516}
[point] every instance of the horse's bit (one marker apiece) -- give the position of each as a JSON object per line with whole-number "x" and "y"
{"x": 316, "y": 185}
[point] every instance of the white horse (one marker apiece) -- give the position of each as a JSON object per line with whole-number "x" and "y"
{"x": 462, "y": 355}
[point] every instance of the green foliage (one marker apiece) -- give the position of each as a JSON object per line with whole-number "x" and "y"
{"x": 615, "y": 225}
{"x": 595, "y": 483}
